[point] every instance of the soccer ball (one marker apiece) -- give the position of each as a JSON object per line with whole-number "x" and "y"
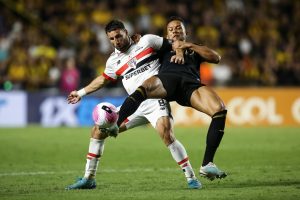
{"x": 105, "y": 115}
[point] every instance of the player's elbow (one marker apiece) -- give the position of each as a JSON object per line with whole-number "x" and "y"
{"x": 213, "y": 57}
{"x": 216, "y": 58}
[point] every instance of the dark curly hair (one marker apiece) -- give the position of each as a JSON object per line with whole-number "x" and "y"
{"x": 175, "y": 18}
{"x": 113, "y": 25}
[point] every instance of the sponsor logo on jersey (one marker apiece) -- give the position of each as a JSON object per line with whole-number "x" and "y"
{"x": 137, "y": 72}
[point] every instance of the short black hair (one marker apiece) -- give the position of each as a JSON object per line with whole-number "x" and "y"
{"x": 113, "y": 25}
{"x": 175, "y": 18}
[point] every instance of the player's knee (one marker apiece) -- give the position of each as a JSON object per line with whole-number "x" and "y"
{"x": 220, "y": 115}
{"x": 150, "y": 85}
{"x": 147, "y": 85}
{"x": 219, "y": 107}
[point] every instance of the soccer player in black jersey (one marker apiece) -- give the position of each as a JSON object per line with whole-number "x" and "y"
{"x": 179, "y": 80}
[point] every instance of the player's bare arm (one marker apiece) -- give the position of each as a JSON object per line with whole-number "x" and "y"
{"x": 96, "y": 84}
{"x": 208, "y": 54}
{"x": 178, "y": 57}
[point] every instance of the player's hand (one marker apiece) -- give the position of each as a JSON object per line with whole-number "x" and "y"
{"x": 136, "y": 37}
{"x": 73, "y": 97}
{"x": 178, "y": 57}
{"x": 178, "y": 44}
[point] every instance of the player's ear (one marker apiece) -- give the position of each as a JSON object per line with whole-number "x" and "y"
{"x": 136, "y": 37}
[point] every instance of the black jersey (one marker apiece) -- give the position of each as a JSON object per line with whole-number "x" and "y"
{"x": 190, "y": 68}
{"x": 180, "y": 80}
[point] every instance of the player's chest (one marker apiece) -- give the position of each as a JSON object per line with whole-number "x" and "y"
{"x": 132, "y": 59}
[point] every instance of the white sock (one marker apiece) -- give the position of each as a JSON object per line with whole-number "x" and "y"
{"x": 96, "y": 149}
{"x": 180, "y": 156}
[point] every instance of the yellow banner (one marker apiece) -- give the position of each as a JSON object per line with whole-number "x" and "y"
{"x": 249, "y": 107}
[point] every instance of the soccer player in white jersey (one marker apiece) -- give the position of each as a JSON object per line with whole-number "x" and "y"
{"x": 134, "y": 63}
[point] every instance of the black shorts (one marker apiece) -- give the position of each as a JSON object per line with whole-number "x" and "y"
{"x": 179, "y": 88}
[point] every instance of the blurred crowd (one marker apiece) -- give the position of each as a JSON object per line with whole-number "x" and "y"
{"x": 62, "y": 45}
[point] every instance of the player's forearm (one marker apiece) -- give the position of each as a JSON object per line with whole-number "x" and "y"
{"x": 208, "y": 54}
{"x": 95, "y": 85}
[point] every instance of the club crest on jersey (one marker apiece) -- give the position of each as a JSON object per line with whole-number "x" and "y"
{"x": 132, "y": 63}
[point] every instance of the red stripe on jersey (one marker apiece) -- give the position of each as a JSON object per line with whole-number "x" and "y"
{"x": 93, "y": 155}
{"x": 122, "y": 69}
{"x": 108, "y": 77}
{"x": 144, "y": 53}
{"x": 183, "y": 161}
{"x": 138, "y": 56}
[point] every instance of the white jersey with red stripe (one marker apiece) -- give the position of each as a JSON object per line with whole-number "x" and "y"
{"x": 137, "y": 64}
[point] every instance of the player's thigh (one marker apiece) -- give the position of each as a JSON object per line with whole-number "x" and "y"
{"x": 206, "y": 100}
{"x": 153, "y": 109}
{"x": 158, "y": 113}
{"x": 154, "y": 88}
{"x": 134, "y": 120}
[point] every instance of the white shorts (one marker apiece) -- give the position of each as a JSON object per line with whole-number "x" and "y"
{"x": 149, "y": 111}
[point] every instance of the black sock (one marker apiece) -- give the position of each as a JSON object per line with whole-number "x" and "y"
{"x": 214, "y": 136}
{"x": 131, "y": 104}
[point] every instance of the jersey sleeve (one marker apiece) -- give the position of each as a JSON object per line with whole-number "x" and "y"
{"x": 153, "y": 41}
{"x": 109, "y": 72}
{"x": 159, "y": 44}
{"x": 166, "y": 47}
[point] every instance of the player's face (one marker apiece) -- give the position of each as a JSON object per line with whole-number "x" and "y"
{"x": 119, "y": 39}
{"x": 176, "y": 31}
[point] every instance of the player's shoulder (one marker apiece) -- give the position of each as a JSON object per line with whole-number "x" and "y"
{"x": 148, "y": 38}
{"x": 152, "y": 41}
{"x": 112, "y": 58}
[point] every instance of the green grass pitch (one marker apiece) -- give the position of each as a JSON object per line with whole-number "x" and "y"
{"x": 37, "y": 163}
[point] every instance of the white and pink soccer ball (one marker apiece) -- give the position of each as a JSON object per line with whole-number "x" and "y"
{"x": 105, "y": 115}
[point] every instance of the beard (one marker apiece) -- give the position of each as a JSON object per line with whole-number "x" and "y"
{"x": 125, "y": 46}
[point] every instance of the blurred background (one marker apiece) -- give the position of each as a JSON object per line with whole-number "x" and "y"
{"x": 54, "y": 47}
{"x": 51, "y": 47}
